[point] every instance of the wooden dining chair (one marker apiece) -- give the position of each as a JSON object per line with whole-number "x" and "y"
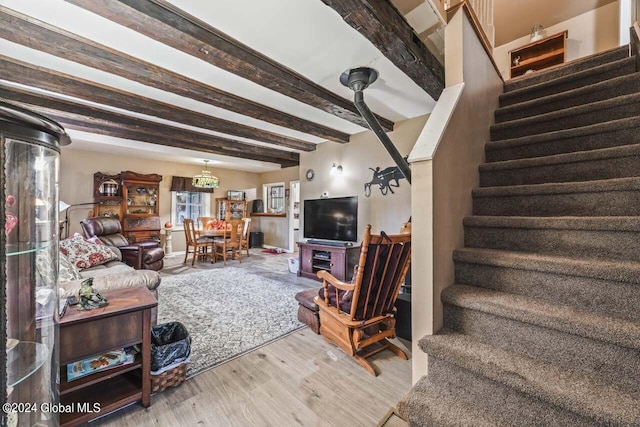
{"x": 359, "y": 316}
{"x": 230, "y": 241}
{"x": 201, "y": 224}
{"x": 244, "y": 238}
{"x": 198, "y": 246}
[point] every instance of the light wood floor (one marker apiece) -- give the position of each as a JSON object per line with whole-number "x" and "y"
{"x": 299, "y": 380}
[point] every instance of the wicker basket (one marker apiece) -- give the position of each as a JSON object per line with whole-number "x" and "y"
{"x": 170, "y": 378}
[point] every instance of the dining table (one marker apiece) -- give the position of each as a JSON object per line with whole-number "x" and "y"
{"x": 217, "y": 233}
{"x": 212, "y": 233}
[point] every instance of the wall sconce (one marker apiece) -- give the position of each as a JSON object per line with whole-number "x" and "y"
{"x": 336, "y": 170}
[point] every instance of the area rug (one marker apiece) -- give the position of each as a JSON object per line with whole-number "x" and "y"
{"x": 228, "y": 312}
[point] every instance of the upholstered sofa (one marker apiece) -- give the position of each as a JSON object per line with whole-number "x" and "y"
{"x": 140, "y": 255}
{"x": 113, "y": 275}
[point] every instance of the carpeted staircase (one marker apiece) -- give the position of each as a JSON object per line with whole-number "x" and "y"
{"x": 542, "y": 327}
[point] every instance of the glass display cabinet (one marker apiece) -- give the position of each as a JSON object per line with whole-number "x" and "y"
{"x": 30, "y": 148}
{"x": 234, "y": 209}
{"x": 107, "y": 195}
{"x": 141, "y": 204}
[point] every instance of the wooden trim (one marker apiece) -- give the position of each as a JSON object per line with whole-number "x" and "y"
{"x": 541, "y": 41}
{"x": 381, "y": 23}
{"x": 174, "y": 27}
{"x": 135, "y": 176}
{"x": 20, "y": 72}
{"x": 477, "y": 27}
{"x": 97, "y": 120}
{"x": 635, "y": 43}
{"x": 38, "y": 35}
{"x": 275, "y": 215}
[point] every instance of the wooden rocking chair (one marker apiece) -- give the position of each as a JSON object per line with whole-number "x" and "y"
{"x": 358, "y": 316}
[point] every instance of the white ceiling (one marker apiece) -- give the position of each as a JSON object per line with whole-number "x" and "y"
{"x": 304, "y": 35}
{"x": 515, "y": 18}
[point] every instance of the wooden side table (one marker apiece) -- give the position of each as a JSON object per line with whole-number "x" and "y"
{"x": 125, "y": 322}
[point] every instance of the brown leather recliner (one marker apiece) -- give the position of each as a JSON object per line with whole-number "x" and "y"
{"x": 139, "y": 255}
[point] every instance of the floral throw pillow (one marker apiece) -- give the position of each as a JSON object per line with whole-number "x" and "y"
{"x": 84, "y": 254}
{"x": 67, "y": 270}
{"x": 95, "y": 240}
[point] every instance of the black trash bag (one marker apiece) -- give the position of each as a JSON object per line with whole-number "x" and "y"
{"x": 170, "y": 343}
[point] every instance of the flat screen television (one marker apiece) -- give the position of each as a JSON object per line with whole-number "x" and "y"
{"x": 331, "y": 219}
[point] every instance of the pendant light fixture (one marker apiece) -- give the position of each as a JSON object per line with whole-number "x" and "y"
{"x": 205, "y": 179}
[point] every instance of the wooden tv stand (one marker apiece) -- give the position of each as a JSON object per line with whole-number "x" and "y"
{"x": 338, "y": 260}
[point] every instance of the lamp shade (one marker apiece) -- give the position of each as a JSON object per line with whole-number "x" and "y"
{"x": 205, "y": 179}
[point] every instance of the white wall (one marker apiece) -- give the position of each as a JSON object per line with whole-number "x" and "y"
{"x": 592, "y": 32}
{"x": 365, "y": 151}
{"x": 443, "y": 182}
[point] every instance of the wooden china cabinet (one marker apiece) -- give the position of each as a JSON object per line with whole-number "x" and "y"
{"x": 237, "y": 209}
{"x": 135, "y": 202}
{"x": 108, "y": 203}
{"x": 141, "y": 206}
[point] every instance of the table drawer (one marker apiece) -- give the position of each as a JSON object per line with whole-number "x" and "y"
{"x": 80, "y": 340}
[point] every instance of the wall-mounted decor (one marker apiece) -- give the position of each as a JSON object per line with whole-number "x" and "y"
{"x": 235, "y": 195}
{"x": 310, "y": 174}
{"x": 385, "y": 179}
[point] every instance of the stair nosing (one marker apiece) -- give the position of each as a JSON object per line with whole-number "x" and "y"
{"x": 544, "y": 314}
{"x": 601, "y": 223}
{"x": 600, "y": 69}
{"x": 593, "y": 186}
{"x": 606, "y": 104}
{"x": 433, "y": 390}
{"x": 620, "y": 271}
{"x": 596, "y": 87}
{"x": 617, "y": 152}
{"x": 530, "y": 376}
{"x": 594, "y": 129}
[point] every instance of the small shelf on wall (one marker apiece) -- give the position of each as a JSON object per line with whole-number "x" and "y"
{"x": 275, "y": 215}
{"x": 539, "y": 55}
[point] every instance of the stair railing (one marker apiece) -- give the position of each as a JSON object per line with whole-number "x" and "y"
{"x": 483, "y": 11}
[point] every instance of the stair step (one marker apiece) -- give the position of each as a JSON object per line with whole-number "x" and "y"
{"x": 602, "y": 135}
{"x": 616, "y": 108}
{"x": 608, "y": 197}
{"x": 496, "y": 399}
{"x": 535, "y": 328}
{"x": 429, "y": 404}
{"x": 564, "y": 83}
{"x": 604, "y": 163}
{"x": 569, "y": 68}
{"x": 563, "y": 318}
{"x": 605, "y": 287}
{"x": 573, "y": 391}
{"x": 608, "y": 238}
{"x": 611, "y": 88}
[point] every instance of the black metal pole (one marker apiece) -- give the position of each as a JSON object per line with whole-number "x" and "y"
{"x": 374, "y": 125}
{"x": 358, "y": 80}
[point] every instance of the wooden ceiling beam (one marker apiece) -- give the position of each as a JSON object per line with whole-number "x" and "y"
{"x": 119, "y": 131}
{"x": 38, "y": 35}
{"x": 165, "y": 23}
{"x": 98, "y": 120}
{"x": 16, "y": 71}
{"x": 381, "y": 23}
